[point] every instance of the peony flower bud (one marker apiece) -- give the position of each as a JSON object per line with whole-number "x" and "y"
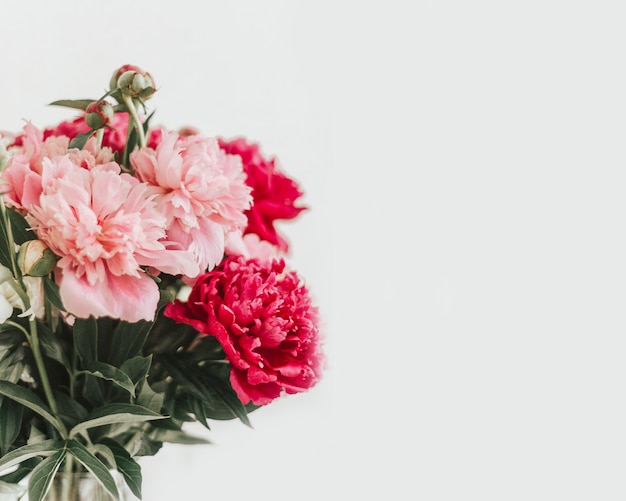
{"x": 122, "y": 69}
{"x": 188, "y": 131}
{"x": 132, "y": 81}
{"x": 99, "y": 114}
{"x": 36, "y": 259}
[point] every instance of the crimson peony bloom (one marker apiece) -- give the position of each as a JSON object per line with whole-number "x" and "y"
{"x": 263, "y": 317}
{"x": 114, "y": 137}
{"x": 274, "y": 193}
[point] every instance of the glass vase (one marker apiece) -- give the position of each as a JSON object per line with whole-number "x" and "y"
{"x": 85, "y": 487}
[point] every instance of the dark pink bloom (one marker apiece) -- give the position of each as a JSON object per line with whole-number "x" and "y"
{"x": 114, "y": 137}
{"x": 263, "y": 317}
{"x": 274, "y": 194}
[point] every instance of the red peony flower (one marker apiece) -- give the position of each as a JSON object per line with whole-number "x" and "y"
{"x": 274, "y": 193}
{"x": 114, "y": 137}
{"x": 263, "y": 317}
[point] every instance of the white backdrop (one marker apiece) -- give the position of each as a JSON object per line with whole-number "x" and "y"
{"x": 465, "y": 167}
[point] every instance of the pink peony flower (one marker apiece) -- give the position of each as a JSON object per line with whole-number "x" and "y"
{"x": 23, "y": 174}
{"x": 104, "y": 226}
{"x": 274, "y": 193}
{"x": 262, "y": 316}
{"x": 200, "y": 189}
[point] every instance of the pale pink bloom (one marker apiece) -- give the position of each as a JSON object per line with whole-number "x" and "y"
{"x": 201, "y": 190}
{"x": 22, "y": 176}
{"x": 104, "y": 227}
{"x": 251, "y": 246}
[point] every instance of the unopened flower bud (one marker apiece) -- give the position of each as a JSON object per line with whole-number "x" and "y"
{"x": 99, "y": 114}
{"x": 188, "y": 131}
{"x": 118, "y": 72}
{"x": 35, "y": 258}
{"x": 133, "y": 81}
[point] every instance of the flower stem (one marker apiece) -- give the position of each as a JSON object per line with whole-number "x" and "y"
{"x": 68, "y": 479}
{"x": 43, "y": 374}
{"x": 132, "y": 110}
{"x": 99, "y": 136}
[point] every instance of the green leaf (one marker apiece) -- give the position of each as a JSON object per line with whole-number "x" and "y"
{"x": 110, "y": 373}
{"x": 131, "y": 143}
{"x": 197, "y": 407}
{"x": 71, "y": 412}
{"x": 127, "y": 466}
{"x": 51, "y": 291}
{"x": 86, "y": 339}
{"x": 176, "y": 437}
{"x": 115, "y": 414}
{"x": 94, "y": 465}
{"x": 104, "y": 453}
{"x": 12, "y": 365}
{"x": 80, "y": 140}
{"x": 42, "y": 475}
{"x": 20, "y": 231}
{"x": 146, "y": 122}
{"x": 11, "y": 414}
{"x": 129, "y": 340}
{"x": 79, "y": 104}
{"x": 105, "y": 336}
{"x": 51, "y": 345}
{"x": 217, "y": 376}
{"x": 137, "y": 368}
{"x": 10, "y": 336}
{"x": 120, "y": 108}
{"x": 28, "y": 399}
{"x": 215, "y": 393}
{"x": 20, "y": 227}
{"x": 185, "y": 379}
{"x": 148, "y": 447}
{"x": 93, "y": 391}
{"x": 21, "y": 472}
{"x": 6, "y": 253}
{"x": 17, "y": 456}
{"x": 148, "y": 398}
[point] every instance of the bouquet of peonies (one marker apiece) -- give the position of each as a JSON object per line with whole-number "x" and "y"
{"x": 143, "y": 285}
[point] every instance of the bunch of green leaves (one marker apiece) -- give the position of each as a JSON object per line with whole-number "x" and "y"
{"x": 96, "y": 394}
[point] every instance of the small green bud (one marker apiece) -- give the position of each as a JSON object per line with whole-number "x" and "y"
{"x": 132, "y": 81}
{"x": 35, "y": 259}
{"x": 99, "y": 114}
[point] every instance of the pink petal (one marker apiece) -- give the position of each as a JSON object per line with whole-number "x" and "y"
{"x": 127, "y": 298}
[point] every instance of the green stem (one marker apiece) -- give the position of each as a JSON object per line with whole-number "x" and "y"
{"x": 68, "y": 479}
{"x": 18, "y": 326}
{"x": 32, "y": 336}
{"x": 99, "y": 136}
{"x": 43, "y": 373}
{"x": 132, "y": 110}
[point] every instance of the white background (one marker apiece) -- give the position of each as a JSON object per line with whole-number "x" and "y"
{"x": 465, "y": 165}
